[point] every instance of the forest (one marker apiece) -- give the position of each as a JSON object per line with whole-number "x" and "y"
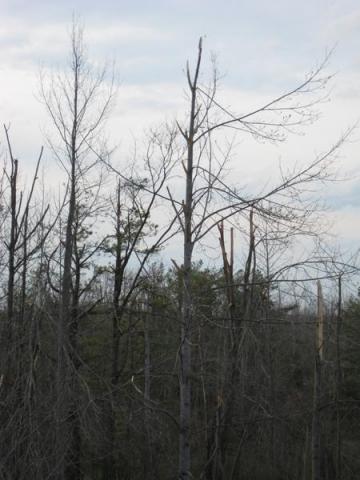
{"x": 120, "y": 361}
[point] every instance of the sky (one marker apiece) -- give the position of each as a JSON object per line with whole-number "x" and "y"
{"x": 263, "y": 48}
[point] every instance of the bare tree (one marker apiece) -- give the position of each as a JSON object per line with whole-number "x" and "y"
{"x": 77, "y": 102}
{"x": 135, "y": 239}
{"x": 206, "y": 118}
{"x": 24, "y": 239}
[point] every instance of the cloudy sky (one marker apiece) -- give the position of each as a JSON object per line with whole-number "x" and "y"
{"x": 263, "y": 48}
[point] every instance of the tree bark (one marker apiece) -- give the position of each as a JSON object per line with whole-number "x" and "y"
{"x": 317, "y": 454}
{"x": 186, "y": 311}
{"x": 338, "y": 383}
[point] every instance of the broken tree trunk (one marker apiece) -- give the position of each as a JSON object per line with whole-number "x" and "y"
{"x": 316, "y": 421}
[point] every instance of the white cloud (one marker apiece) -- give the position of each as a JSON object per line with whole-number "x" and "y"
{"x": 343, "y": 25}
{"x": 148, "y": 50}
{"x": 123, "y": 33}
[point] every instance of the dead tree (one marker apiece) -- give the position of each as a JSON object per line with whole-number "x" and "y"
{"x": 77, "y": 102}
{"x": 197, "y": 216}
{"x": 317, "y": 455}
{"x": 22, "y": 242}
{"x": 338, "y": 381}
{"x": 217, "y": 441}
{"x": 134, "y": 239}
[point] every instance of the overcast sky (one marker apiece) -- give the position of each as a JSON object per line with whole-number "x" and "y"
{"x": 262, "y": 47}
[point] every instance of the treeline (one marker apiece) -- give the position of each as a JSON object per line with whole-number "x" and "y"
{"x": 117, "y": 366}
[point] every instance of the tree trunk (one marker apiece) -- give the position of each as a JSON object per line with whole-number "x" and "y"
{"x": 317, "y": 455}
{"x": 186, "y": 311}
{"x": 316, "y": 423}
{"x": 149, "y": 451}
{"x": 111, "y": 463}
{"x": 338, "y": 382}
{"x": 65, "y": 418}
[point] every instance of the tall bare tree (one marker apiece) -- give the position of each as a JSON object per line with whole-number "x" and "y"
{"x": 197, "y": 216}
{"x": 77, "y": 102}
{"x": 24, "y": 236}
